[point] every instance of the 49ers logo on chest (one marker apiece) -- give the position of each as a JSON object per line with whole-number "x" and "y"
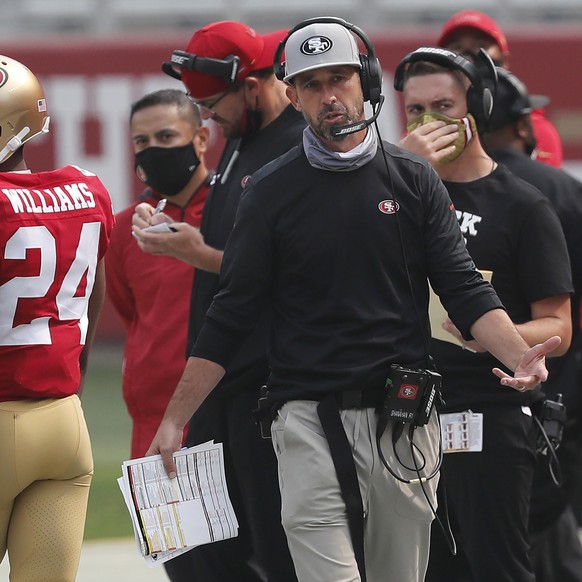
{"x": 388, "y": 207}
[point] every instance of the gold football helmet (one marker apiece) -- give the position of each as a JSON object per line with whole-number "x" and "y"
{"x": 23, "y": 113}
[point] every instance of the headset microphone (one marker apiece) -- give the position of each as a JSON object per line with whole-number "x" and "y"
{"x": 359, "y": 125}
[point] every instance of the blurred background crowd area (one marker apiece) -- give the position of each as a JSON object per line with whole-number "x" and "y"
{"x": 118, "y": 16}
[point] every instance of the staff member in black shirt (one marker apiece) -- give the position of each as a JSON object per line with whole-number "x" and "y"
{"x": 228, "y": 71}
{"x": 339, "y": 236}
{"x": 556, "y": 550}
{"x": 511, "y": 230}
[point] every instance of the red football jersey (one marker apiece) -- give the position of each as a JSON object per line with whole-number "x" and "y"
{"x": 54, "y": 229}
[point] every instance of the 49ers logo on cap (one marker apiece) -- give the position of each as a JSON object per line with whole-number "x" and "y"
{"x": 388, "y": 206}
{"x": 408, "y": 391}
{"x": 3, "y": 77}
{"x": 316, "y": 45}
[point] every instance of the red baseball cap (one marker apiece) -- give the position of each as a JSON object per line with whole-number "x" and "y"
{"x": 220, "y": 40}
{"x": 477, "y": 21}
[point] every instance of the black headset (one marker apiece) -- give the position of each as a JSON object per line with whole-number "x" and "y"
{"x": 512, "y": 101}
{"x": 225, "y": 69}
{"x": 481, "y": 72}
{"x": 521, "y": 99}
{"x": 370, "y": 71}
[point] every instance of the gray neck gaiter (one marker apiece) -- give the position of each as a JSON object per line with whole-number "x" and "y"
{"x": 321, "y": 157}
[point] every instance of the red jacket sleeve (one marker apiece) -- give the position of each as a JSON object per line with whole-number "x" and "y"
{"x": 118, "y": 289}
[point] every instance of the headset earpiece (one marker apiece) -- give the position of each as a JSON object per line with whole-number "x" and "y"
{"x": 370, "y": 72}
{"x": 488, "y": 74}
{"x": 371, "y": 78}
{"x": 279, "y": 64}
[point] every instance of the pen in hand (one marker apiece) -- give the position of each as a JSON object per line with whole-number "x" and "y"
{"x": 157, "y": 210}
{"x": 160, "y": 206}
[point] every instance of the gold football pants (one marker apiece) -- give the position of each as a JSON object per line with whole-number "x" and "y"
{"x": 46, "y": 468}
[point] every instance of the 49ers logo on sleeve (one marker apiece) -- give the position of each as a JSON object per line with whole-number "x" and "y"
{"x": 408, "y": 391}
{"x": 3, "y": 77}
{"x": 388, "y": 206}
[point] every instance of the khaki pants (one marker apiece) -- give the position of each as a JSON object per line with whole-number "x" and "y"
{"x": 397, "y": 515}
{"x": 45, "y": 472}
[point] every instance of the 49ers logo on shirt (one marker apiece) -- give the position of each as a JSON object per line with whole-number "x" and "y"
{"x": 388, "y": 206}
{"x": 408, "y": 391}
{"x": 3, "y": 77}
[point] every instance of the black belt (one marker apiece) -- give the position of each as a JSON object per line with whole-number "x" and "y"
{"x": 369, "y": 397}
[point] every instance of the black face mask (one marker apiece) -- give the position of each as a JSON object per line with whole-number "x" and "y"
{"x": 166, "y": 170}
{"x": 252, "y": 122}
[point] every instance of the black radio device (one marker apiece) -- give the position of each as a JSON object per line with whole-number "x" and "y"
{"x": 552, "y": 417}
{"x": 410, "y": 395}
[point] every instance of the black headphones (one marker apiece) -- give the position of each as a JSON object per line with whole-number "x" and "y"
{"x": 482, "y": 74}
{"x": 225, "y": 69}
{"x": 520, "y": 100}
{"x": 370, "y": 71}
{"x": 512, "y": 101}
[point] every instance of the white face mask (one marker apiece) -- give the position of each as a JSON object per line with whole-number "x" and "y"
{"x": 467, "y": 130}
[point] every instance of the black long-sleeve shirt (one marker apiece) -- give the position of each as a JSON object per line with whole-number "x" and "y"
{"x": 333, "y": 259}
{"x": 249, "y": 369}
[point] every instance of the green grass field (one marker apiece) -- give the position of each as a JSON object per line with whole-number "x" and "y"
{"x": 110, "y": 429}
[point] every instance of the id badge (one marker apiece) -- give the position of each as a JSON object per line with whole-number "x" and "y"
{"x": 462, "y": 432}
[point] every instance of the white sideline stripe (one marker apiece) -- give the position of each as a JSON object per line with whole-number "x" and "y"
{"x": 114, "y": 560}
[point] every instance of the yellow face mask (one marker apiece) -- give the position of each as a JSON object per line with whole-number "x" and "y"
{"x": 467, "y": 130}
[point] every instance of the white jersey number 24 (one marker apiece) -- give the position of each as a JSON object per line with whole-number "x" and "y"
{"x": 70, "y": 306}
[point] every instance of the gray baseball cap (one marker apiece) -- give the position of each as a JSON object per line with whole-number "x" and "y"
{"x": 321, "y": 44}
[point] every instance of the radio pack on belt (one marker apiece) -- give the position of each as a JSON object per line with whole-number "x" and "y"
{"x": 551, "y": 416}
{"x": 410, "y": 395}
